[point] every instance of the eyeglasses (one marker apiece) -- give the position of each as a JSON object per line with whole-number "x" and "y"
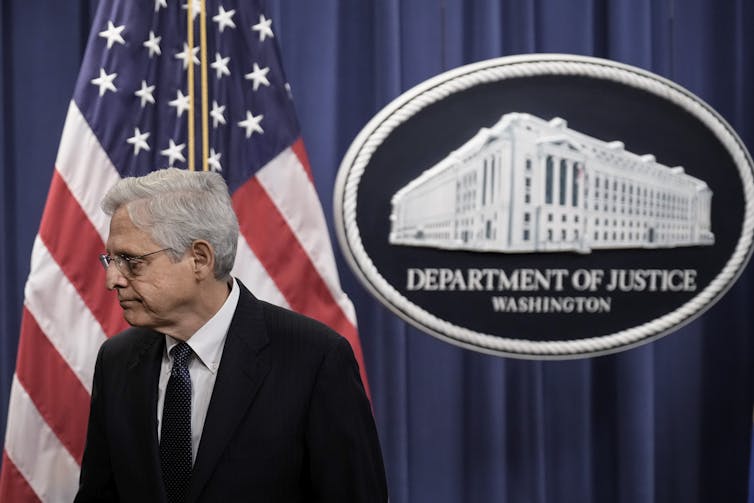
{"x": 128, "y": 266}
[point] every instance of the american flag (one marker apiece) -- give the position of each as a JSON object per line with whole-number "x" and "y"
{"x": 144, "y": 77}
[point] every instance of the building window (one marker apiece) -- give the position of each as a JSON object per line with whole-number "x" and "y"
{"x": 575, "y": 185}
{"x": 527, "y": 216}
{"x": 548, "y": 180}
{"x": 526, "y": 234}
{"x": 484, "y": 184}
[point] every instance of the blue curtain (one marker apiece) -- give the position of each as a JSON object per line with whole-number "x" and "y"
{"x": 669, "y": 421}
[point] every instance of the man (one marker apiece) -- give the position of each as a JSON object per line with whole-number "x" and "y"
{"x": 213, "y": 395}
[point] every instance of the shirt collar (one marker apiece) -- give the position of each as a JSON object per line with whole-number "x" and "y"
{"x": 207, "y": 342}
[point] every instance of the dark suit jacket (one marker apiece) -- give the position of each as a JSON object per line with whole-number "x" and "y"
{"x": 288, "y": 420}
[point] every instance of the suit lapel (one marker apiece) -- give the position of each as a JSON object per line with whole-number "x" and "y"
{"x": 140, "y": 402}
{"x": 242, "y": 370}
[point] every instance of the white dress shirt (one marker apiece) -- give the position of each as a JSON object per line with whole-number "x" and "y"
{"x": 207, "y": 344}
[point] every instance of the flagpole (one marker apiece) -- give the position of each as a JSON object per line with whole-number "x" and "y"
{"x": 190, "y": 59}
{"x": 204, "y": 124}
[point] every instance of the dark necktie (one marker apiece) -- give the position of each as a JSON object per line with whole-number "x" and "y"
{"x": 175, "y": 436}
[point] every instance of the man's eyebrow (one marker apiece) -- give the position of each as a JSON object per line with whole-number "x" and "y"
{"x": 121, "y": 253}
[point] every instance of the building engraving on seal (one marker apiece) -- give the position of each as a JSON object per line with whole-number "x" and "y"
{"x": 531, "y": 185}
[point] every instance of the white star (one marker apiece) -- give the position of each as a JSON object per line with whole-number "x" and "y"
{"x": 153, "y": 44}
{"x": 105, "y": 82}
{"x": 263, "y": 27}
{"x": 160, "y": 3}
{"x": 173, "y": 152}
{"x": 139, "y": 141}
{"x": 251, "y": 124}
{"x": 196, "y": 7}
{"x": 214, "y": 160}
{"x": 224, "y": 18}
{"x": 112, "y": 34}
{"x": 145, "y": 93}
{"x": 259, "y": 76}
{"x": 217, "y": 114}
{"x": 181, "y": 103}
{"x": 221, "y": 65}
{"x": 184, "y": 56}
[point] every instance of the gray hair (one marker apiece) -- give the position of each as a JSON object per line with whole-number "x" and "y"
{"x": 177, "y": 207}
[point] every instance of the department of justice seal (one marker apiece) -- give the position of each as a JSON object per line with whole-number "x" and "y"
{"x": 546, "y": 206}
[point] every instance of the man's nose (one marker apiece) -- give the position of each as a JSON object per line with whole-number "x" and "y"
{"x": 114, "y": 278}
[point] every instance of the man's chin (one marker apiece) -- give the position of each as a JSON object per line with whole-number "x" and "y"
{"x": 135, "y": 317}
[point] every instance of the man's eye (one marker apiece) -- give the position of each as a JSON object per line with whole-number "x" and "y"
{"x": 136, "y": 265}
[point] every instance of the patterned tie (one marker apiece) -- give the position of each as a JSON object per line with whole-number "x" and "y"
{"x": 175, "y": 437}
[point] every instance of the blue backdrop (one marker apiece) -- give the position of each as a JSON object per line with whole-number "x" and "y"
{"x": 666, "y": 422}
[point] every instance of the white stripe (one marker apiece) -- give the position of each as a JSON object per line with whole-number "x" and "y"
{"x": 250, "y": 271}
{"x": 86, "y": 168}
{"x": 34, "y": 448}
{"x": 62, "y": 314}
{"x": 289, "y": 187}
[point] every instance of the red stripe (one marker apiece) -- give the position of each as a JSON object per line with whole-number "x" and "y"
{"x": 57, "y": 393}
{"x": 285, "y": 260}
{"x": 13, "y": 485}
{"x": 300, "y": 151}
{"x": 75, "y": 244}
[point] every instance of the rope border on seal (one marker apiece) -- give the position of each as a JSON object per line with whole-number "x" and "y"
{"x": 433, "y": 90}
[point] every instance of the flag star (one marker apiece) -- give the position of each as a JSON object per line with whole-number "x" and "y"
{"x": 184, "y": 56}
{"x": 105, "y": 82}
{"x": 173, "y": 152}
{"x": 153, "y": 44}
{"x": 259, "y": 76}
{"x": 139, "y": 141}
{"x": 251, "y": 124}
{"x": 160, "y": 3}
{"x": 224, "y": 18}
{"x": 263, "y": 27}
{"x": 214, "y": 160}
{"x": 181, "y": 103}
{"x": 145, "y": 93}
{"x": 221, "y": 65}
{"x": 196, "y": 7}
{"x": 217, "y": 114}
{"x": 112, "y": 34}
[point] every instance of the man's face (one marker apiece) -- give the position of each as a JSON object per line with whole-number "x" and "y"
{"x": 161, "y": 291}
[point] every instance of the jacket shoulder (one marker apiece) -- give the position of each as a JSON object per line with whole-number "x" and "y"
{"x": 282, "y": 323}
{"x": 131, "y": 341}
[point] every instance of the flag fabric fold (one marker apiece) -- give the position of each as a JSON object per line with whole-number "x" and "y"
{"x": 134, "y": 111}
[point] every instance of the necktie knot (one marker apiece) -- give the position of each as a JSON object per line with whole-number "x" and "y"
{"x": 181, "y": 354}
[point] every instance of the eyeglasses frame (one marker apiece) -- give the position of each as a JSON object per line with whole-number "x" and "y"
{"x": 105, "y": 259}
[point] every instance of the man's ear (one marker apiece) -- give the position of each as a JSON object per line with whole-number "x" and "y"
{"x": 203, "y": 259}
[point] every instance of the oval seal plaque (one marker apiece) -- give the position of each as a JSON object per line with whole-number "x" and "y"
{"x": 546, "y": 206}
